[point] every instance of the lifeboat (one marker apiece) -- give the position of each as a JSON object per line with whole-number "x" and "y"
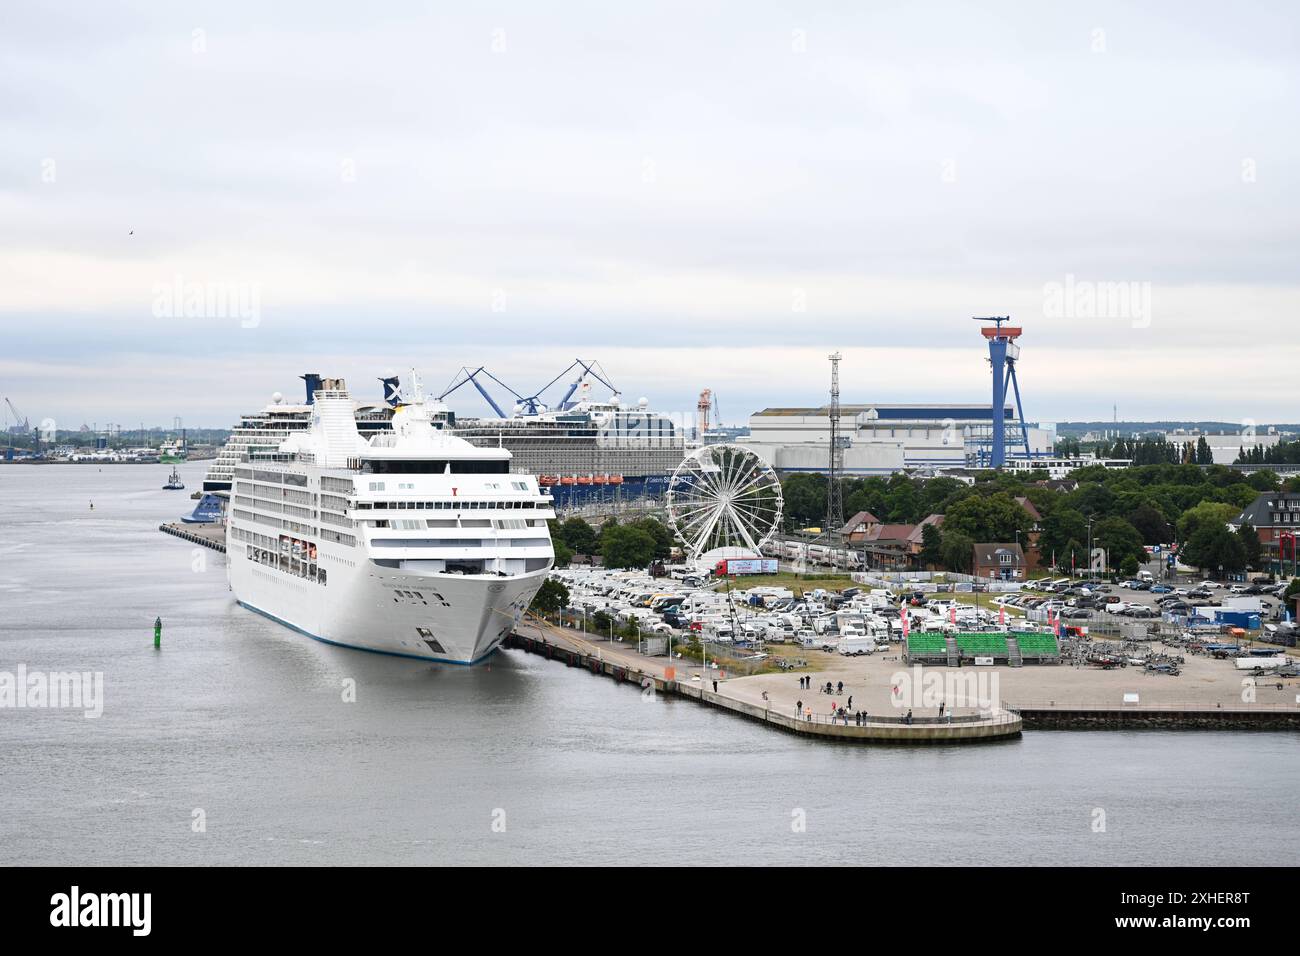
{"x": 584, "y": 480}
{"x": 615, "y": 479}
{"x": 567, "y": 480}
{"x": 600, "y": 479}
{"x": 546, "y": 481}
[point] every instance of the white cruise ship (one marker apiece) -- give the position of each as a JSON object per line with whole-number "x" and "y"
{"x": 410, "y": 542}
{"x": 264, "y": 430}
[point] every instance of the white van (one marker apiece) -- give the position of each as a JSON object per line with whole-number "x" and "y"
{"x": 855, "y": 646}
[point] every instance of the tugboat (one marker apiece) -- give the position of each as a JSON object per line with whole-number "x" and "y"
{"x": 174, "y": 482}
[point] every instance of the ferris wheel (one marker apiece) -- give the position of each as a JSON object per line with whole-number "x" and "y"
{"x": 723, "y": 496}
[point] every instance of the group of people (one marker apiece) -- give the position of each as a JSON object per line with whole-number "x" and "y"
{"x": 844, "y": 713}
{"x": 805, "y": 683}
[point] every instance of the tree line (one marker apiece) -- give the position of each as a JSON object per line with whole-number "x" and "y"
{"x": 1283, "y": 453}
{"x": 1125, "y": 510}
{"x": 632, "y": 545}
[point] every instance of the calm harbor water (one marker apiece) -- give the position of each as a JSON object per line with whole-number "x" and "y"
{"x": 241, "y": 723}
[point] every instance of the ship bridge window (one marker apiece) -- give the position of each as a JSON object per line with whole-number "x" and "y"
{"x": 464, "y": 567}
{"x": 433, "y": 466}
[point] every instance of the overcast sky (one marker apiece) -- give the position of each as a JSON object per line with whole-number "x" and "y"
{"x": 697, "y": 195}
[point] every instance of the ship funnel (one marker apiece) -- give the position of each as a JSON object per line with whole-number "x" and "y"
{"x": 313, "y": 381}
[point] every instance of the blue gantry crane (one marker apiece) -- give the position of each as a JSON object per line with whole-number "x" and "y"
{"x": 528, "y": 404}
{"x": 465, "y": 375}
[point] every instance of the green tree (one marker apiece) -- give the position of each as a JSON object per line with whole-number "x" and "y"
{"x": 1120, "y": 540}
{"x": 579, "y": 536}
{"x": 627, "y": 546}
{"x": 657, "y": 530}
{"x": 1206, "y": 513}
{"x": 1250, "y": 543}
{"x": 1263, "y": 480}
{"x": 1203, "y": 454}
{"x": 1151, "y": 524}
{"x": 995, "y": 517}
{"x": 1063, "y": 526}
{"x": 805, "y": 500}
{"x": 931, "y": 546}
{"x": 563, "y": 554}
{"x": 1212, "y": 547}
{"x": 1073, "y": 557}
{"x": 551, "y": 597}
{"x": 958, "y": 550}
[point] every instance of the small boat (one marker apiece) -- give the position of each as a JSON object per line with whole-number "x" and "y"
{"x": 174, "y": 482}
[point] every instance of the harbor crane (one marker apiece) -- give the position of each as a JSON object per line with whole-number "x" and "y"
{"x": 21, "y": 425}
{"x": 1003, "y": 355}
{"x": 529, "y": 404}
{"x": 465, "y": 375}
{"x": 707, "y": 410}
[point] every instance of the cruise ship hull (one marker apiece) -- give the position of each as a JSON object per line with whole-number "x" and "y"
{"x": 457, "y": 619}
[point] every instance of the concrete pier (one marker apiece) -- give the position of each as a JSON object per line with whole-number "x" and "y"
{"x": 1187, "y": 717}
{"x": 572, "y": 650}
{"x": 208, "y": 535}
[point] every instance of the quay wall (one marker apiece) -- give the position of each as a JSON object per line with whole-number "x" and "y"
{"x": 881, "y": 730}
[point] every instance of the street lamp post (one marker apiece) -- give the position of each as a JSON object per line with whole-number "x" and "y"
{"x": 1089, "y": 549}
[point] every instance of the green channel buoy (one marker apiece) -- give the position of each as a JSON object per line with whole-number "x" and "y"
{"x": 157, "y": 632}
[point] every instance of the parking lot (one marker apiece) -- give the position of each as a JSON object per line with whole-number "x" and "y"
{"x": 1106, "y": 603}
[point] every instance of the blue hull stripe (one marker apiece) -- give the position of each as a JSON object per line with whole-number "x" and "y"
{"x": 358, "y": 647}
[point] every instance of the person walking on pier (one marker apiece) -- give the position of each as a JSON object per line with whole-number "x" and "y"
{"x": 715, "y": 687}
{"x": 850, "y": 703}
{"x": 798, "y": 707}
{"x": 941, "y": 710}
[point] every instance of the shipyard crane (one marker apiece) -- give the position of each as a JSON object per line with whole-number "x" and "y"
{"x": 21, "y": 425}
{"x": 1003, "y": 355}
{"x": 529, "y": 404}
{"x": 705, "y": 408}
{"x": 465, "y": 375}
{"x": 533, "y": 402}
